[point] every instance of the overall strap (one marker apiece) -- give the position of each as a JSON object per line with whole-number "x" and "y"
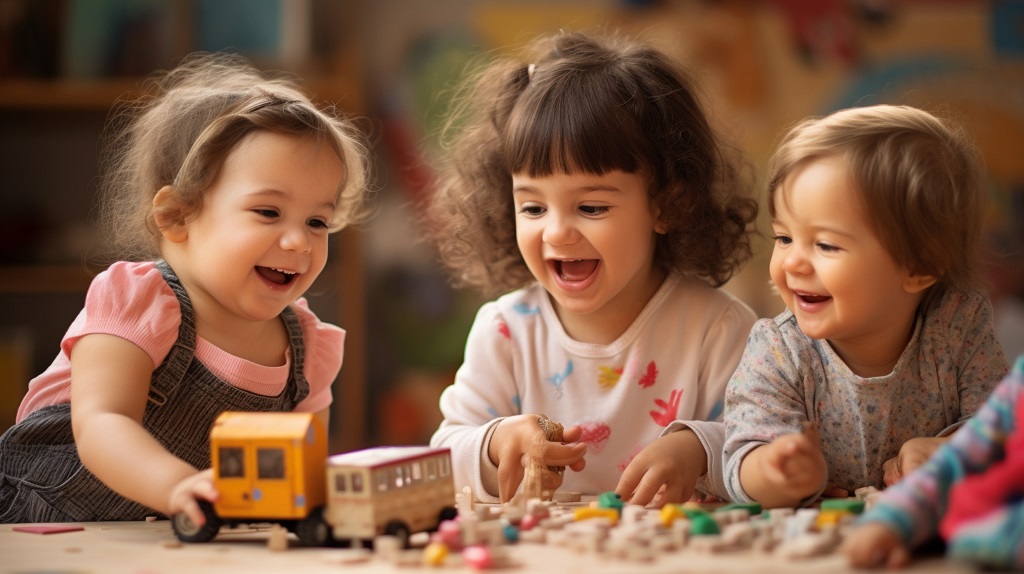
{"x": 299, "y": 386}
{"x": 170, "y": 373}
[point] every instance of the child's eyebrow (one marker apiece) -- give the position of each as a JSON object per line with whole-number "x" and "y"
{"x": 278, "y": 194}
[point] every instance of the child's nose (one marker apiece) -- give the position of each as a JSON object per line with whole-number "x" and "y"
{"x": 296, "y": 239}
{"x": 560, "y": 231}
{"x": 795, "y": 261}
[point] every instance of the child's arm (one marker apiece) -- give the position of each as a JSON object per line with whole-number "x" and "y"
{"x": 787, "y": 471}
{"x": 977, "y": 354}
{"x": 913, "y": 507}
{"x": 767, "y": 400}
{"x": 110, "y": 380}
{"x": 671, "y": 466}
{"x": 485, "y": 392}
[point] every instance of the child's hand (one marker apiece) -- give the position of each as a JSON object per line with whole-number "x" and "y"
{"x": 670, "y": 466}
{"x": 786, "y": 471}
{"x": 913, "y": 454}
{"x": 185, "y": 494}
{"x": 521, "y": 435}
{"x": 873, "y": 545}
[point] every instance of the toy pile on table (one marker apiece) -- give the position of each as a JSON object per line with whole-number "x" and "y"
{"x": 479, "y": 536}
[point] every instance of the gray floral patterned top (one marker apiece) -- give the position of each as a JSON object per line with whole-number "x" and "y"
{"x": 950, "y": 366}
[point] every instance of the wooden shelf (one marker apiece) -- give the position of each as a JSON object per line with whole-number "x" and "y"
{"x": 99, "y": 94}
{"x": 64, "y": 94}
{"x": 46, "y": 278}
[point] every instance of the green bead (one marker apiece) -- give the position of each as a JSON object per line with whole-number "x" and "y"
{"x": 610, "y": 500}
{"x": 852, "y": 505}
{"x": 752, "y": 507}
{"x": 701, "y": 523}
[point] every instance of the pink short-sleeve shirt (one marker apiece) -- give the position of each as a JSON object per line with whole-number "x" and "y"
{"x": 131, "y": 300}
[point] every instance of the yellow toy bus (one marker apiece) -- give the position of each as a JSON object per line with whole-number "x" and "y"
{"x": 273, "y": 467}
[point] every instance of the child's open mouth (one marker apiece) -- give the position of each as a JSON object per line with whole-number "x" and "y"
{"x": 575, "y": 270}
{"x": 810, "y": 298}
{"x": 278, "y": 276}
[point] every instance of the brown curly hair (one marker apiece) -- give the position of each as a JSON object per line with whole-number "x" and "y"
{"x": 181, "y": 133}
{"x": 592, "y": 103}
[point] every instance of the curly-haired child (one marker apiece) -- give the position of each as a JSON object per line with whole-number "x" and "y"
{"x": 586, "y": 179}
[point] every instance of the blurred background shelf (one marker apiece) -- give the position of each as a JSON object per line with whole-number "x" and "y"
{"x": 762, "y": 64}
{"x": 97, "y": 95}
{"x": 45, "y": 278}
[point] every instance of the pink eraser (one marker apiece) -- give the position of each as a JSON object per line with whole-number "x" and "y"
{"x": 47, "y": 528}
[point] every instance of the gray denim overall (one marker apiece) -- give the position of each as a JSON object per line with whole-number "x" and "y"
{"x": 41, "y": 476}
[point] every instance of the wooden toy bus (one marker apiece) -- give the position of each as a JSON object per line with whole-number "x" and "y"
{"x": 273, "y": 467}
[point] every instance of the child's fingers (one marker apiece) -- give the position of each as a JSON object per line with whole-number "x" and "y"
{"x": 891, "y": 471}
{"x": 572, "y": 434}
{"x": 646, "y": 489}
{"x": 564, "y": 454}
{"x": 191, "y": 508}
{"x": 833, "y": 491}
{"x": 510, "y": 474}
{"x": 204, "y": 488}
{"x": 801, "y": 444}
{"x": 874, "y": 545}
{"x": 629, "y": 480}
{"x": 899, "y": 557}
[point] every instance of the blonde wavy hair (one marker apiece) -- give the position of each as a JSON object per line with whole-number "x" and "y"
{"x": 182, "y": 131}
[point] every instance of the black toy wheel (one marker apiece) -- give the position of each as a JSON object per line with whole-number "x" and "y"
{"x": 447, "y": 513}
{"x": 188, "y": 531}
{"x": 312, "y": 530}
{"x": 399, "y": 530}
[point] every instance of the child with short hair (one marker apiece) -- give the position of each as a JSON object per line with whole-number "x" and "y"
{"x": 587, "y": 179}
{"x": 970, "y": 491}
{"x": 887, "y": 344}
{"x": 221, "y": 193}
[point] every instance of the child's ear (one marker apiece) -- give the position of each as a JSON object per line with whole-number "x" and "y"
{"x": 660, "y": 227}
{"x": 168, "y": 215}
{"x": 914, "y": 283}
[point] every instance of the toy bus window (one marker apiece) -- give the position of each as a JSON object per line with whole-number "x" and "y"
{"x": 431, "y": 465}
{"x": 382, "y": 480}
{"x": 417, "y": 472}
{"x": 339, "y": 482}
{"x": 357, "y": 483}
{"x": 445, "y": 466}
{"x": 232, "y": 462}
{"x": 399, "y": 478}
{"x": 270, "y": 463}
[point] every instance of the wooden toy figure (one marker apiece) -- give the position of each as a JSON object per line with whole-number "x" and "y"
{"x": 539, "y": 480}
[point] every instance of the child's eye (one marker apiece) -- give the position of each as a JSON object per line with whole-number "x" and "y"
{"x": 827, "y": 248}
{"x": 594, "y": 209}
{"x": 531, "y": 209}
{"x": 318, "y": 223}
{"x": 270, "y": 213}
{"x": 782, "y": 239}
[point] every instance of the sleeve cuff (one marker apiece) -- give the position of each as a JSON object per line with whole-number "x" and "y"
{"x": 712, "y": 437}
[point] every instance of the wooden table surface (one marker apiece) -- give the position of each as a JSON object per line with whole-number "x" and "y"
{"x": 151, "y": 548}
